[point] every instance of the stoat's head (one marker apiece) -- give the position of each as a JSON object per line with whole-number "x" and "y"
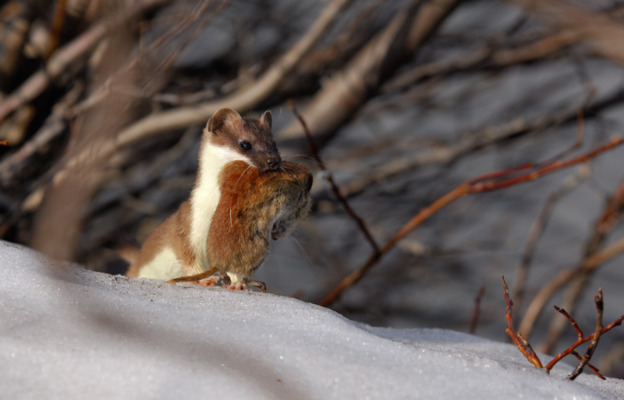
{"x": 237, "y": 138}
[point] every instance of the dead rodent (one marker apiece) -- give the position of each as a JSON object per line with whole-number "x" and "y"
{"x": 178, "y": 246}
{"x": 254, "y": 206}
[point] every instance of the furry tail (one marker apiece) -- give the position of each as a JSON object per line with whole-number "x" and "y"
{"x": 192, "y": 278}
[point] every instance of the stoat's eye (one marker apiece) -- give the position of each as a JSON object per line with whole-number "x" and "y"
{"x": 245, "y": 145}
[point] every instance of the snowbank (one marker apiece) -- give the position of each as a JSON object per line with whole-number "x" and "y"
{"x": 70, "y": 333}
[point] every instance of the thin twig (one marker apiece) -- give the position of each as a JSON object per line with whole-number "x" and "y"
{"x": 610, "y": 216}
{"x": 594, "y": 369}
{"x": 524, "y": 346}
{"x": 528, "y": 352}
{"x": 593, "y": 258}
{"x": 581, "y": 339}
{"x": 538, "y": 227}
{"x": 486, "y": 183}
{"x": 335, "y": 189}
{"x": 476, "y": 140}
{"x": 477, "y": 311}
{"x": 598, "y": 299}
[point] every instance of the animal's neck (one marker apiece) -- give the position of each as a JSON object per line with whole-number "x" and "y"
{"x": 205, "y": 198}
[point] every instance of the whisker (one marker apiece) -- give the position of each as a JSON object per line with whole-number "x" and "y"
{"x": 307, "y": 156}
{"x": 241, "y": 176}
{"x": 305, "y": 254}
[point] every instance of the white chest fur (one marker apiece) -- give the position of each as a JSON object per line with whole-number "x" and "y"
{"x": 205, "y": 198}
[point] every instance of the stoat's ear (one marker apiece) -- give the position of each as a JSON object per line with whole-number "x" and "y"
{"x": 219, "y": 118}
{"x": 267, "y": 119}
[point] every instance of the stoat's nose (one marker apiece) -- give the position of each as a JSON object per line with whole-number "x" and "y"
{"x": 273, "y": 162}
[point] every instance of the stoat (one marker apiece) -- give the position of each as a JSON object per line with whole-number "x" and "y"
{"x": 255, "y": 205}
{"x": 178, "y": 246}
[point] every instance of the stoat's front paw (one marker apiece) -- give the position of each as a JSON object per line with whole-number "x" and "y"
{"x": 236, "y": 286}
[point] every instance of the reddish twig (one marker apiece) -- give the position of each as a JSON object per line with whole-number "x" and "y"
{"x": 594, "y": 369}
{"x": 524, "y": 346}
{"x": 4, "y": 143}
{"x": 526, "y": 349}
{"x": 477, "y": 310}
{"x": 580, "y": 340}
{"x": 485, "y": 183}
{"x": 312, "y": 149}
{"x": 598, "y": 299}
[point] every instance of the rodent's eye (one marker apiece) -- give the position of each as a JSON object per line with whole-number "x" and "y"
{"x": 245, "y": 145}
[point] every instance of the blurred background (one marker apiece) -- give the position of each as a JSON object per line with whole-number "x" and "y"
{"x": 103, "y": 103}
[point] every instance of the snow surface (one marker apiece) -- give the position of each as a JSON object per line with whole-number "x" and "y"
{"x": 70, "y": 333}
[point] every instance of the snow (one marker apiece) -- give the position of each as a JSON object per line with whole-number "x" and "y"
{"x": 70, "y": 333}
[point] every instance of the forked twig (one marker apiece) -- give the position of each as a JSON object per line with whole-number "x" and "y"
{"x": 526, "y": 349}
{"x": 312, "y": 149}
{"x": 598, "y": 299}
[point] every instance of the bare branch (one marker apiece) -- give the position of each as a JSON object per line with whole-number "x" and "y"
{"x": 593, "y": 259}
{"x": 595, "y": 30}
{"x": 524, "y": 346}
{"x": 526, "y": 349}
{"x": 538, "y": 226}
{"x": 335, "y": 189}
{"x": 67, "y": 55}
{"x": 348, "y": 90}
{"x": 489, "y": 182}
{"x": 182, "y": 117}
{"x": 598, "y": 299}
{"x": 477, "y": 311}
{"x": 581, "y": 339}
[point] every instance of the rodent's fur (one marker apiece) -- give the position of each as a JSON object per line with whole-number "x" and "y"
{"x": 254, "y": 206}
{"x": 178, "y": 247}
